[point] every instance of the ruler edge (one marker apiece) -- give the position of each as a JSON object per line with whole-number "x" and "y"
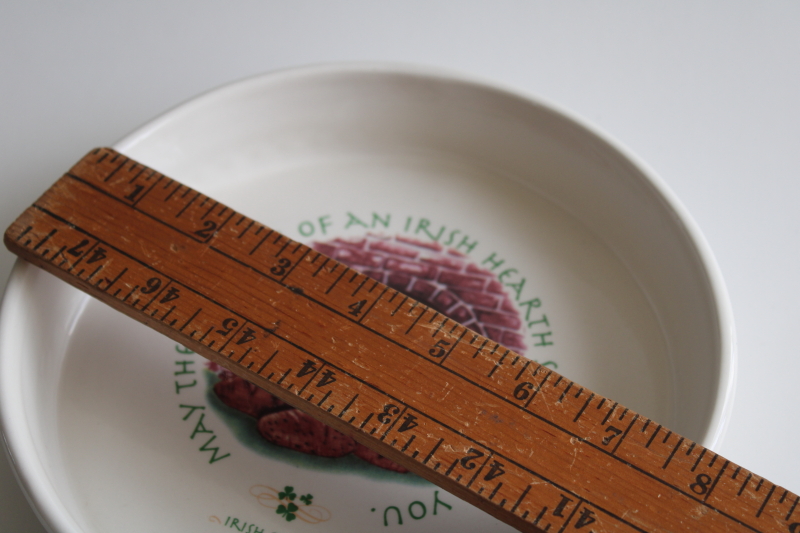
{"x": 319, "y": 414}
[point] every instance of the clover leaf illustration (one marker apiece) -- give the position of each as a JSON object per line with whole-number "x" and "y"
{"x": 306, "y": 499}
{"x": 287, "y": 494}
{"x": 287, "y": 511}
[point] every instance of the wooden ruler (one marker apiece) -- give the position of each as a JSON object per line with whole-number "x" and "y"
{"x": 514, "y": 438}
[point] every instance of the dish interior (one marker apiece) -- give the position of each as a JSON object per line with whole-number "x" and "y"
{"x": 597, "y": 278}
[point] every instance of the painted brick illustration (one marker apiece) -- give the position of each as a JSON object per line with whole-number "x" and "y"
{"x": 443, "y": 279}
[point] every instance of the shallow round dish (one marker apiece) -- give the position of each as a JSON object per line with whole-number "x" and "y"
{"x": 488, "y": 205}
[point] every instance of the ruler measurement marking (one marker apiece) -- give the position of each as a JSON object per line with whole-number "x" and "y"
{"x": 699, "y": 458}
{"x": 408, "y": 443}
{"x": 485, "y": 341}
{"x": 582, "y": 409}
{"x": 284, "y": 377}
{"x": 163, "y": 318}
{"x": 286, "y": 245}
{"x": 399, "y": 305}
{"x": 229, "y": 336}
{"x": 147, "y": 192}
{"x": 521, "y": 370}
{"x": 129, "y": 206}
{"x": 176, "y": 189}
{"x": 116, "y": 169}
{"x": 769, "y": 495}
{"x": 791, "y": 510}
{"x": 311, "y": 377}
{"x": 185, "y": 207}
{"x": 415, "y": 321}
{"x": 537, "y": 388}
{"x": 494, "y": 492}
{"x": 498, "y": 364}
{"x": 453, "y": 347}
{"x": 365, "y": 313}
{"x": 441, "y": 325}
{"x": 242, "y": 357}
{"x": 58, "y": 252}
{"x": 746, "y": 481}
{"x": 337, "y": 280}
{"x": 190, "y": 319}
{"x": 563, "y": 394}
{"x": 96, "y": 270}
{"x": 430, "y": 454}
{"x": 257, "y": 246}
{"x": 478, "y": 471}
{"x": 366, "y": 278}
{"x": 210, "y": 209}
{"x": 653, "y": 436}
{"x": 130, "y": 293}
{"x": 539, "y": 516}
{"x": 485, "y": 389}
{"x": 608, "y": 415}
{"x": 314, "y": 275}
{"x": 24, "y": 232}
{"x": 521, "y": 497}
{"x": 672, "y": 454}
{"x": 157, "y": 293}
{"x": 625, "y": 433}
{"x": 346, "y": 407}
{"x": 294, "y": 265}
{"x": 364, "y": 423}
{"x": 206, "y": 334}
{"x": 324, "y": 398}
{"x": 268, "y": 361}
{"x": 45, "y": 239}
{"x": 250, "y": 225}
{"x": 716, "y": 480}
{"x": 375, "y": 286}
{"x": 713, "y": 460}
{"x": 396, "y": 419}
{"x": 122, "y": 272}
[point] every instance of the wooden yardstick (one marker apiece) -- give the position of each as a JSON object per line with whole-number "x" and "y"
{"x": 514, "y": 438}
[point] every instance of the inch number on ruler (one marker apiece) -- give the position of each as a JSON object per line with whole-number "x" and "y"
{"x": 516, "y": 439}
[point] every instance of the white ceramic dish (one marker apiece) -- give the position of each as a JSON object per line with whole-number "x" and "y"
{"x": 596, "y": 268}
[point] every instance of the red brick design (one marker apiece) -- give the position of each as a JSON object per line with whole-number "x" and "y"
{"x": 446, "y": 280}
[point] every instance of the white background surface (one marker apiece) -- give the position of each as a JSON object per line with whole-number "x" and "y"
{"x": 708, "y": 95}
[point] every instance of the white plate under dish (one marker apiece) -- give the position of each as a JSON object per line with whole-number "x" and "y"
{"x": 588, "y": 265}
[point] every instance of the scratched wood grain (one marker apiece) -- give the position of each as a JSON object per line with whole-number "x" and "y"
{"x": 514, "y": 438}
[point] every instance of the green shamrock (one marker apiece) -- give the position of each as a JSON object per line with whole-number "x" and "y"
{"x": 306, "y": 499}
{"x": 287, "y": 494}
{"x": 287, "y": 511}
